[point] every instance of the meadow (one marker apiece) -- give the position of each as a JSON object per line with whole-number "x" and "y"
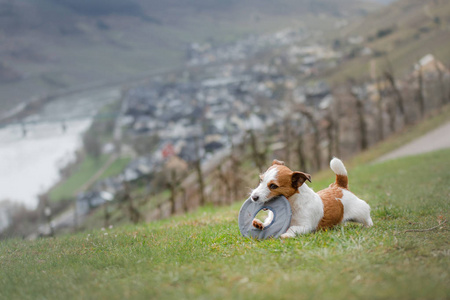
{"x": 202, "y": 255}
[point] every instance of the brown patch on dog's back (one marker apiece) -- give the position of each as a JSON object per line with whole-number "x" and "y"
{"x": 333, "y": 209}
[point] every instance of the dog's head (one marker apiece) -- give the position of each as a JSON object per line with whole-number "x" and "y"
{"x": 278, "y": 180}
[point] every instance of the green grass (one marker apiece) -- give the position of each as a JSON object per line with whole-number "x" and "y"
{"x": 68, "y": 187}
{"x": 116, "y": 167}
{"x": 203, "y": 256}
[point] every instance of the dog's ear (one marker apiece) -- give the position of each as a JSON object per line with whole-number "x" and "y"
{"x": 277, "y": 162}
{"x": 298, "y": 178}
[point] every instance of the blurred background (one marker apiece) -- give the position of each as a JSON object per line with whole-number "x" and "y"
{"x": 118, "y": 111}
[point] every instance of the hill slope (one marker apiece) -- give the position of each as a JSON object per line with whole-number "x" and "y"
{"x": 403, "y": 32}
{"x": 49, "y": 45}
{"x": 204, "y": 255}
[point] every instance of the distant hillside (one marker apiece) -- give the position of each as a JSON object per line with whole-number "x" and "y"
{"x": 402, "y": 32}
{"x": 51, "y": 45}
{"x": 382, "y": 1}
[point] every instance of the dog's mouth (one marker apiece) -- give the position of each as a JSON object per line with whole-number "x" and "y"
{"x": 260, "y": 200}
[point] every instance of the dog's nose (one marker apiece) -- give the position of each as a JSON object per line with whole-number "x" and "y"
{"x": 255, "y": 198}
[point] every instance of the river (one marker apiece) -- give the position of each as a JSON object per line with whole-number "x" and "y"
{"x": 29, "y": 165}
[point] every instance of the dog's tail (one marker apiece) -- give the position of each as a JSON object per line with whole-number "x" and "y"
{"x": 341, "y": 173}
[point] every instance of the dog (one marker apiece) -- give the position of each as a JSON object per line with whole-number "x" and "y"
{"x": 311, "y": 211}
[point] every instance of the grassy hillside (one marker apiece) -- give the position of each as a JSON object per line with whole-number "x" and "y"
{"x": 49, "y": 45}
{"x": 402, "y": 32}
{"x": 89, "y": 167}
{"x": 203, "y": 255}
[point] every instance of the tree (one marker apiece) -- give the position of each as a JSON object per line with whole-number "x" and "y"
{"x": 362, "y": 124}
{"x": 420, "y": 91}
{"x": 392, "y": 111}
{"x": 359, "y": 97}
{"x": 234, "y": 166}
{"x": 133, "y": 212}
{"x": 380, "y": 111}
{"x": 389, "y": 76}
{"x": 199, "y": 171}
{"x": 225, "y": 183}
{"x": 300, "y": 152}
{"x": 329, "y": 132}
{"x": 258, "y": 152}
{"x": 287, "y": 134}
{"x": 336, "y": 126}
{"x": 444, "y": 97}
{"x": 316, "y": 133}
{"x": 172, "y": 183}
{"x": 175, "y": 172}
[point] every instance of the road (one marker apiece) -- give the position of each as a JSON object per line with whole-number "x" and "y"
{"x": 436, "y": 139}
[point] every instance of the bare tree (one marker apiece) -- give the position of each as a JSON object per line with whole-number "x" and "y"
{"x": 336, "y": 110}
{"x": 329, "y": 132}
{"x": 225, "y": 183}
{"x": 258, "y": 152}
{"x": 300, "y": 152}
{"x": 390, "y": 77}
{"x": 362, "y": 125}
{"x": 236, "y": 183}
{"x": 201, "y": 184}
{"x": 172, "y": 184}
{"x": 199, "y": 171}
{"x": 380, "y": 122}
{"x": 287, "y": 134}
{"x": 175, "y": 171}
{"x": 184, "y": 199}
{"x": 420, "y": 91}
{"x": 309, "y": 115}
{"x": 392, "y": 110}
{"x": 444, "y": 97}
{"x": 234, "y": 166}
{"x": 133, "y": 213}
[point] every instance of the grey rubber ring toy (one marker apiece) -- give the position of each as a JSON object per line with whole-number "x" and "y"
{"x": 281, "y": 220}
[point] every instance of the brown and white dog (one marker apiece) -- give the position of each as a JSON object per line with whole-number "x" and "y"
{"x": 311, "y": 211}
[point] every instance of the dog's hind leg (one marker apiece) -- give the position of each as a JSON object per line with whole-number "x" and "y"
{"x": 355, "y": 209}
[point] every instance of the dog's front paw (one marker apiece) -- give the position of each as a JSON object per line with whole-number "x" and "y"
{"x": 258, "y": 224}
{"x": 286, "y": 235}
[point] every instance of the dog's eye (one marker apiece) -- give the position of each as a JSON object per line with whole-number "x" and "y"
{"x": 273, "y": 186}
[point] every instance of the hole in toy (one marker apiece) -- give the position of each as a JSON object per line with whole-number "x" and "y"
{"x": 266, "y": 216}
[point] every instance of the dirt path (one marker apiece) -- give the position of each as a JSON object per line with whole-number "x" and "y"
{"x": 437, "y": 139}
